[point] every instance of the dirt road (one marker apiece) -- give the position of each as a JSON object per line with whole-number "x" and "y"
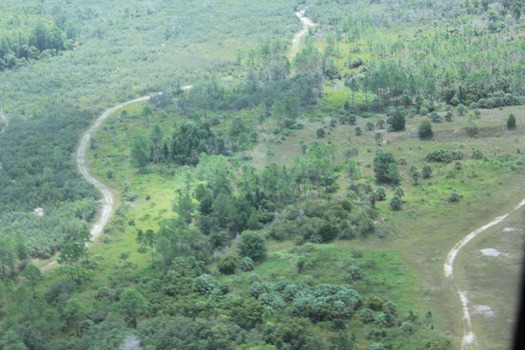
{"x": 307, "y": 24}
{"x": 108, "y": 199}
{"x": 469, "y": 337}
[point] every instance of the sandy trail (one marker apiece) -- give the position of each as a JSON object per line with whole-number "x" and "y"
{"x": 469, "y": 337}
{"x": 108, "y": 199}
{"x": 307, "y": 24}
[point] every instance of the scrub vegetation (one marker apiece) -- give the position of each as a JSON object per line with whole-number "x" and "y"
{"x": 266, "y": 199}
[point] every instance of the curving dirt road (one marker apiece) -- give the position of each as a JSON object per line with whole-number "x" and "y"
{"x": 469, "y": 337}
{"x": 108, "y": 199}
{"x": 307, "y": 24}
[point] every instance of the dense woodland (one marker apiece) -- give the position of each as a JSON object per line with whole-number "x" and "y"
{"x": 206, "y": 276}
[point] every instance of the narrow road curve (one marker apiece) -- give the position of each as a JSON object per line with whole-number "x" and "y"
{"x": 307, "y": 24}
{"x": 469, "y": 337}
{"x": 108, "y": 199}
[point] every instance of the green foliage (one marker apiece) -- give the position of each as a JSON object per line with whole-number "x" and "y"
{"x": 246, "y": 264}
{"x": 444, "y": 156}
{"x": 385, "y": 167}
{"x": 511, "y": 122}
{"x": 132, "y": 305}
{"x": 206, "y": 285}
{"x": 11, "y": 341}
{"x": 426, "y": 172}
{"x": 397, "y": 119}
{"x": 252, "y": 245}
{"x": 477, "y": 154}
{"x": 33, "y": 275}
{"x": 139, "y": 152}
{"x": 228, "y": 265}
{"x": 396, "y": 202}
{"x": 425, "y": 130}
{"x": 454, "y": 197}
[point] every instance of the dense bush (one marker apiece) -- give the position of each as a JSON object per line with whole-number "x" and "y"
{"x": 444, "y": 156}
{"x": 425, "y": 130}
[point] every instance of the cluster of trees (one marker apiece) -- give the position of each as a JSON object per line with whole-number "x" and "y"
{"x": 405, "y": 71}
{"x": 37, "y": 173}
{"x": 29, "y": 33}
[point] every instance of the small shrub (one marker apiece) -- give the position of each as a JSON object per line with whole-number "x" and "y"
{"x": 454, "y": 197}
{"x": 425, "y": 130}
{"x": 426, "y": 171}
{"x": 477, "y": 154}
{"x": 511, "y": 122}
{"x": 396, "y": 202}
{"x": 246, "y": 264}
{"x": 228, "y": 265}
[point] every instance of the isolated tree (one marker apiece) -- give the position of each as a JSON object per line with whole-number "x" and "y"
{"x": 373, "y": 197}
{"x": 399, "y": 191}
{"x": 511, "y": 122}
{"x": 426, "y": 172}
{"x": 425, "y": 130}
{"x": 370, "y": 125}
{"x": 132, "y": 305}
{"x": 156, "y": 144}
{"x": 353, "y": 85}
{"x": 381, "y": 194}
{"x": 150, "y": 239}
{"x": 472, "y": 127}
{"x": 252, "y": 245}
{"x": 397, "y": 120}
{"x": 124, "y": 264}
{"x": 396, "y": 202}
{"x": 321, "y": 133}
{"x": 461, "y": 109}
{"x": 70, "y": 255}
{"x": 139, "y": 152}
{"x": 33, "y": 275}
{"x": 379, "y": 139}
{"x": 416, "y": 175}
{"x": 385, "y": 167}
{"x": 358, "y": 131}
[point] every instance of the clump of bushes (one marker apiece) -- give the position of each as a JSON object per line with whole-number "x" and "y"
{"x": 444, "y": 156}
